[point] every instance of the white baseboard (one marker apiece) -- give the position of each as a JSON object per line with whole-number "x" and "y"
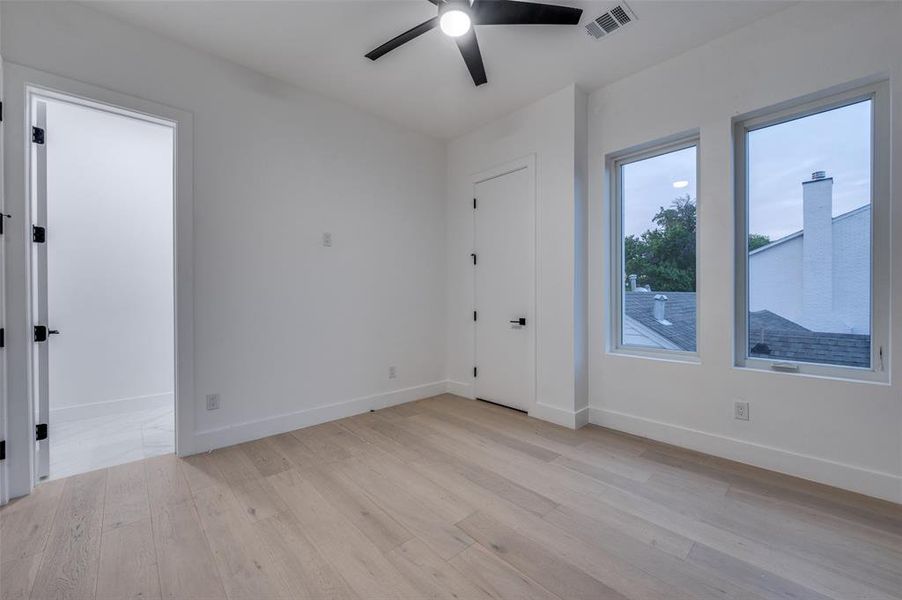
{"x": 211, "y": 439}
{"x": 65, "y": 414}
{"x": 560, "y": 416}
{"x": 459, "y": 389}
{"x": 545, "y": 412}
{"x": 857, "y": 479}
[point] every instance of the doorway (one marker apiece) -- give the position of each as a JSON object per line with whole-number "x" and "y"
{"x": 504, "y": 264}
{"x": 102, "y": 285}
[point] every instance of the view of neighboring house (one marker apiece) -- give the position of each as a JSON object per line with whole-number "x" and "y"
{"x": 817, "y": 277}
{"x": 808, "y": 292}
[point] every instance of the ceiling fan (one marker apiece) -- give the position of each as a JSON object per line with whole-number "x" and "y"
{"x": 456, "y": 19}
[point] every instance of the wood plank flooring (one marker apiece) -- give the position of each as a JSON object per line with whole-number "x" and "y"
{"x": 447, "y": 498}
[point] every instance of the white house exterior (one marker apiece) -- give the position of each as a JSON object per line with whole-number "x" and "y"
{"x": 818, "y": 277}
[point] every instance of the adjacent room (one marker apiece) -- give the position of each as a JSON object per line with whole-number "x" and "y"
{"x": 458, "y": 299}
{"x": 104, "y": 384}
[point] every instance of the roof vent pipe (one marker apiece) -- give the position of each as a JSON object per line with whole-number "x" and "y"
{"x": 633, "y": 284}
{"x": 659, "y": 310}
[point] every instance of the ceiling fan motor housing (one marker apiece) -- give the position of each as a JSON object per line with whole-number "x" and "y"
{"x": 446, "y": 5}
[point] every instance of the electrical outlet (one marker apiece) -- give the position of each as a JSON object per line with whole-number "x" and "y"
{"x": 393, "y": 372}
{"x": 212, "y": 401}
{"x": 327, "y": 240}
{"x": 741, "y": 410}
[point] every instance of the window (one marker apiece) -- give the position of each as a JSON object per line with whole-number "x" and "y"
{"x": 809, "y": 288}
{"x": 655, "y": 260}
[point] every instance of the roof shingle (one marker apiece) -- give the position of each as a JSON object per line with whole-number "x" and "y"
{"x": 770, "y": 335}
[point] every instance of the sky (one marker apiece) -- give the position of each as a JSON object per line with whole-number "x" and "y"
{"x": 648, "y": 185}
{"x": 780, "y": 158}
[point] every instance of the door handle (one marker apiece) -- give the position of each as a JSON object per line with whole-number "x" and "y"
{"x": 41, "y": 333}
{"x": 521, "y": 322}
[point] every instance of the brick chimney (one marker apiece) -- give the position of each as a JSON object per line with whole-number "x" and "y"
{"x": 817, "y": 252}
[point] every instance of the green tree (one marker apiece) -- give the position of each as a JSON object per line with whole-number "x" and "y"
{"x": 757, "y": 240}
{"x": 664, "y": 257}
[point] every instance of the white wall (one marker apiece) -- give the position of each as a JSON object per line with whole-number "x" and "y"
{"x": 547, "y": 129}
{"x": 288, "y": 332}
{"x": 839, "y": 432}
{"x": 775, "y": 279}
{"x": 109, "y": 260}
{"x": 851, "y": 270}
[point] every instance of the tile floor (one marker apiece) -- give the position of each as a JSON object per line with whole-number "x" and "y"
{"x": 87, "y": 444}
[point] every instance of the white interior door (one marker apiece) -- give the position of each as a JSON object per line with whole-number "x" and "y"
{"x": 504, "y": 238}
{"x": 39, "y": 298}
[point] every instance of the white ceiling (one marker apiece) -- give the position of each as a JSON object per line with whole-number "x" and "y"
{"x": 424, "y": 85}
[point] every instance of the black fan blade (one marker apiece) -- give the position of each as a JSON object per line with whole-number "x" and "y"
{"x": 511, "y": 12}
{"x": 403, "y": 38}
{"x": 469, "y": 49}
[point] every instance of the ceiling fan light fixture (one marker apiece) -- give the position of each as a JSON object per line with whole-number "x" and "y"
{"x": 455, "y": 22}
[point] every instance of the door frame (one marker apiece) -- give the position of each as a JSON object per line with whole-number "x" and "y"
{"x": 37, "y": 161}
{"x": 527, "y": 163}
{"x": 22, "y": 84}
{"x": 5, "y": 225}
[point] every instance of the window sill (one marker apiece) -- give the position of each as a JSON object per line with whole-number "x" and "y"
{"x": 672, "y": 356}
{"x": 812, "y": 371}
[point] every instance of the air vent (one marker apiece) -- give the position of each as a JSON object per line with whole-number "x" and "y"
{"x": 610, "y": 22}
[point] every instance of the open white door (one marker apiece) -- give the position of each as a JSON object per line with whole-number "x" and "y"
{"x": 504, "y": 256}
{"x": 39, "y": 299}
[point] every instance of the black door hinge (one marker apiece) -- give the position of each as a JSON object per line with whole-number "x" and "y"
{"x": 1, "y": 110}
{"x": 37, "y": 135}
{"x": 474, "y": 315}
{"x": 38, "y": 234}
{"x": 2, "y": 337}
{"x": 40, "y": 431}
{"x": 475, "y": 371}
{"x": 3, "y": 450}
{"x": 474, "y": 257}
{"x": 3, "y": 216}
{"x": 474, "y": 203}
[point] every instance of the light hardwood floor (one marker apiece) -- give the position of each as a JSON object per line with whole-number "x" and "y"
{"x": 447, "y": 498}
